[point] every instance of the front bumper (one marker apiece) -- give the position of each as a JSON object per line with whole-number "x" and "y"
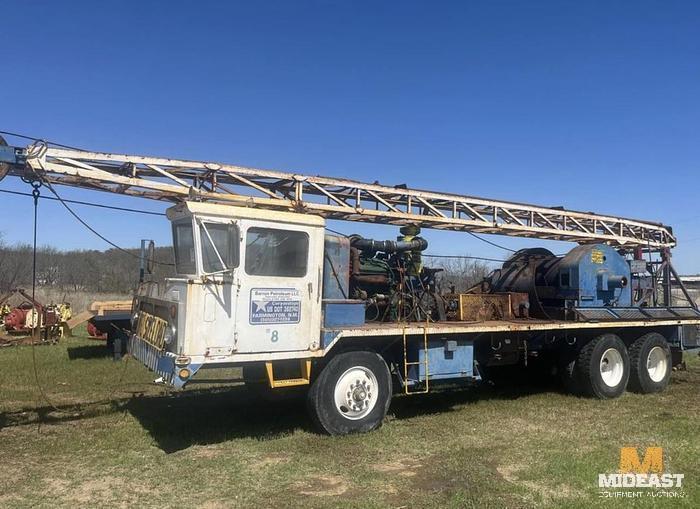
{"x": 158, "y": 361}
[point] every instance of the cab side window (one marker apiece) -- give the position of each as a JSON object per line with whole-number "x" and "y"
{"x": 183, "y": 240}
{"x": 219, "y": 244}
{"x": 273, "y": 252}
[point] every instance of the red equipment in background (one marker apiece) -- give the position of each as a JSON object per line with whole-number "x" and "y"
{"x": 15, "y": 320}
{"x": 30, "y": 315}
{"x": 93, "y": 332}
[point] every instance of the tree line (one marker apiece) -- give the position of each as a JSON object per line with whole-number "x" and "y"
{"x": 78, "y": 270}
{"x": 115, "y": 271}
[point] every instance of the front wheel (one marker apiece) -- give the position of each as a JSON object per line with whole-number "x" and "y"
{"x": 351, "y": 394}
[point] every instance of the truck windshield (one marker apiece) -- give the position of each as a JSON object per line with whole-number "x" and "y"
{"x": 219, "y": 247}
{"x": 183, "y": 241}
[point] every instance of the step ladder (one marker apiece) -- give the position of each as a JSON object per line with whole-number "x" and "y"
{"x": 407, "y": 364}
{"x": 304, "y": 379}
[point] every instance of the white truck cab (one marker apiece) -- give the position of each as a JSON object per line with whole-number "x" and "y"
{"x": 248, "y": 288}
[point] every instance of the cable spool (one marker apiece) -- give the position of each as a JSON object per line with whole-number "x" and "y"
{"x": 590, "y": 275}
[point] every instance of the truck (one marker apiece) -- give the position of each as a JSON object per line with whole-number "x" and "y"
{"x": 261, "y": 284}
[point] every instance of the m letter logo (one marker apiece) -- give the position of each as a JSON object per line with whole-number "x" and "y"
{"x": 653, "y": 461}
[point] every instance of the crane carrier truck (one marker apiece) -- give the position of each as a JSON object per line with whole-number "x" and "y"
{"x": 261, "y": 284}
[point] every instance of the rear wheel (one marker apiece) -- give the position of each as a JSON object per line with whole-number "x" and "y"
{"x": 351, "y": 394}
{"x": 650, "y": 361}
{"x": 601, "y": 369}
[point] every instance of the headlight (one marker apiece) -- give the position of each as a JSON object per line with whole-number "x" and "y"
{"x": 134, "y": 320}
{"x": 169, "y": 335}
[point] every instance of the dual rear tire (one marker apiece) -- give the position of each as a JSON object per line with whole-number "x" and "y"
{"x": 605, "y": 367}
{"x": 650, "y": 364}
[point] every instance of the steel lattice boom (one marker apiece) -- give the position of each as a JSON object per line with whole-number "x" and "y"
{"x": 335, "y": 198}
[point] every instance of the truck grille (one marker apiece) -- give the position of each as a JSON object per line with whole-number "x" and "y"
{"x": 162, "y": 363}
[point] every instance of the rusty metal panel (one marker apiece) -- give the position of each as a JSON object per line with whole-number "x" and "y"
{"x": 477, "y": 307}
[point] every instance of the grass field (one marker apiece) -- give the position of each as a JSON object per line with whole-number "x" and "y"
{"x": 118, "y": 441}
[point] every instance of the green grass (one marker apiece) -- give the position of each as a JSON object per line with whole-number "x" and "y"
{"x": 133, "y": 444}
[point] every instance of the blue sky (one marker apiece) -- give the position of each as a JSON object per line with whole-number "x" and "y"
{"x": 589, "y": 105}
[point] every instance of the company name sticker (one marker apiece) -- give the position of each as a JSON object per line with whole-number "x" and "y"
{"x": 275, "y": 305}
{"x": 597, "y": 257}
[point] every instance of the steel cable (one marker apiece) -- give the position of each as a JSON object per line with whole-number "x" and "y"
{"x": 36, "y": 184}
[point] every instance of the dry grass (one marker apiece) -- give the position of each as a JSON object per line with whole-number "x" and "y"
{"x": 79, "y": 300}
{"x": 135, "y": 445}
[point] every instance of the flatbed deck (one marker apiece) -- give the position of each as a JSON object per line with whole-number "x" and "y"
{"x": 515, "y": 325}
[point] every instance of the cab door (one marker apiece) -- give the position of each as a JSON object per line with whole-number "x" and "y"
{"x": 211, "y": 302}
{"x": 279, "y": 296}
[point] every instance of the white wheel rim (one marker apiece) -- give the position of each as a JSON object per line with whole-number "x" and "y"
{"x": 657, "y": 364}
{"x": 356, "y": 393}
{"x": 611, "y": 367}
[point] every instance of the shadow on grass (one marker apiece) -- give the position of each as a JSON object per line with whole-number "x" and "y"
{"x": 97, "y": 351}
{"x": 208, "y": 416}
{"x": 177, "y": 421}
{"x": 60, "y": 413}
{"x": 446, "y": 400}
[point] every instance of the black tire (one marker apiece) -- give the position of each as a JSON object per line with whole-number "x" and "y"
{"x": 328, "y": 417}
{"x": 643, "y": 378}
{"x": 587, "y": 372}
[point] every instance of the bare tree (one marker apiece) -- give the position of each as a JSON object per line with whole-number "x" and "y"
{"x": 111, "y": 271}
{"x": 15, "y": 265}
{"x": 459, "y": 272}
